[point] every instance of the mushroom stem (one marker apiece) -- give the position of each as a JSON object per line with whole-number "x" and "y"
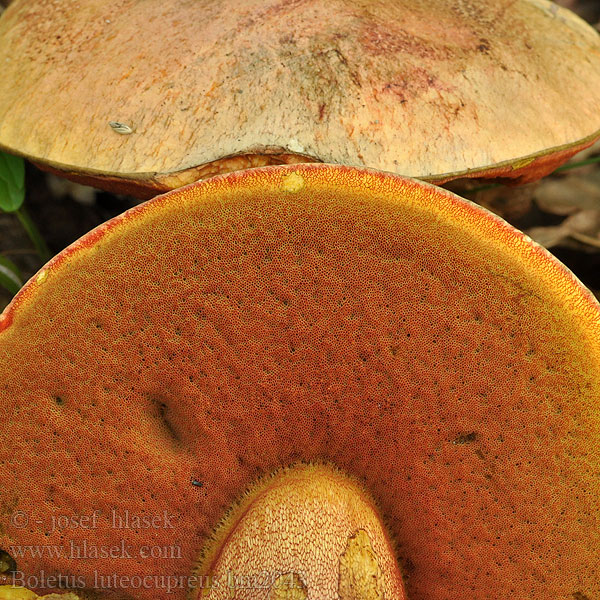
{"x": 309, "y": 531}
{"x": 16, "y": 592}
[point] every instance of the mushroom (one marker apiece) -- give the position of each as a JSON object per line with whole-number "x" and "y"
{"x": 296, "y": 317}
{"x": 9, "y": 592}
{"x": 146, "y": 97}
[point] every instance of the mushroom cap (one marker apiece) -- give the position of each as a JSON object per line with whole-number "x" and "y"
{"x": 161, "y": 364}
{"x": 146, "y": 97}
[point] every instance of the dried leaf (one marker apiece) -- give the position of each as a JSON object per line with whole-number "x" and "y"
{"x": 568, "y": 195}
{"x": 548, "y": 236}
{"x": 583, "y": 225}
{"x": 585, "y": 221}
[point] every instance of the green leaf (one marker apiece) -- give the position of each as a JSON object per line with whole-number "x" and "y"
{"x": 10, "y": 277}
{"x": 12, "y": 182}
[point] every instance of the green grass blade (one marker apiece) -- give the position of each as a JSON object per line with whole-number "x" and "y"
{"x": 12, "y": 182}
{"x": 10, "y": 277}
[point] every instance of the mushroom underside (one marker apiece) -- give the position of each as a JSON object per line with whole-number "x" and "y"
{"x": 170, "y": 358}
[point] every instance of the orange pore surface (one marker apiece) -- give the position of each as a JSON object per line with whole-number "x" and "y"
{"x": 314, "y": 313}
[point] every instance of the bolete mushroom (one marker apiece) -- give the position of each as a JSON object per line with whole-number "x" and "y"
{"x": 11, "y": 592}
{"x": 147, "y": 96}
{"x": 432, "y": 360}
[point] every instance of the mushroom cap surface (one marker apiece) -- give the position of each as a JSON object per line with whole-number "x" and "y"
{"x": 169, "y": 358}
{"x": 147, "y": 96}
